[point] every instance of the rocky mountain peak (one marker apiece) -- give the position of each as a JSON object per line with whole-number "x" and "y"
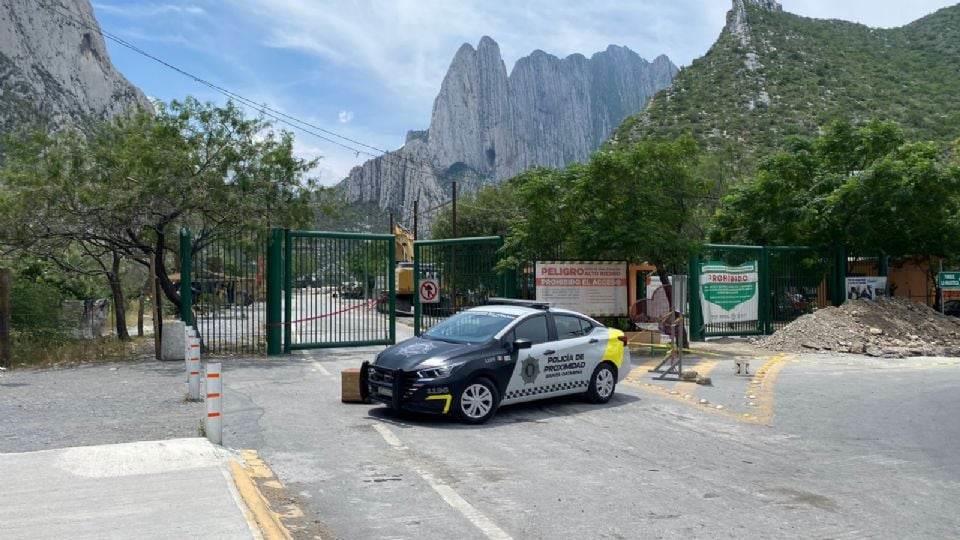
{"x": 488, "y": 125}
{"x": 55, "y": 68}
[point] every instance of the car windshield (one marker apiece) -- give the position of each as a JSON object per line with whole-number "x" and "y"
{"x": 470, "y": 327}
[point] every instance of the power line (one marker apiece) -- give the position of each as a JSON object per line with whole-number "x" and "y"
{"x": 275, "y": 114}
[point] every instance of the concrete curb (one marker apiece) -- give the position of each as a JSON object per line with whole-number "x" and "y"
{"x": 266, "y": 519}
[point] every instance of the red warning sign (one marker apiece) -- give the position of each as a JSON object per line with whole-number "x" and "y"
{"x": 429, "y": 291}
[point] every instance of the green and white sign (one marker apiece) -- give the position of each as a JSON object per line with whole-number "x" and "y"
{"x": 949, "y": 281}
{"x": 729, "y": 293}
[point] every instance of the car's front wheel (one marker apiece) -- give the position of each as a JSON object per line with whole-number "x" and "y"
{"x": 478, "y": 401}
{"x": 602, "y": 384}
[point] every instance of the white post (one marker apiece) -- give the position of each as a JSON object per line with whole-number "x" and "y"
{"x": 188, "y": 334}
{"x": 193, "y": 365}
{"x": 214, "y": 426}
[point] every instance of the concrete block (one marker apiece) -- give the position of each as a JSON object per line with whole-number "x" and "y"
{"x": 173, "y": 345}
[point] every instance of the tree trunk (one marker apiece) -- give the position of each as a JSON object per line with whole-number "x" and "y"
{"x": 140, "y": 308}
{"x": 665, "y": 282}
{"x": 163, "y": 280}
{"x": 119, "y": 302}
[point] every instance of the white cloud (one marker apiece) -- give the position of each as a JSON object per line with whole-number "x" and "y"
{"x": 345, "y": 117}
{"x": 149, "y": 10}
{"x": 407, "y": 45}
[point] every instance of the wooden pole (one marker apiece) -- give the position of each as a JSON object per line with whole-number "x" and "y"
{"x": 6, "y": 284}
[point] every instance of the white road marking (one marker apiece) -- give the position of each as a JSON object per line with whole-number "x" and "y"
{"x": 447, "y": 493}
{"x": 317, "y": 366}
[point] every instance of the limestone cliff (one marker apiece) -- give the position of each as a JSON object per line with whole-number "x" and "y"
{"x": 487, "y": 125}
{"x": 54, "y": 66}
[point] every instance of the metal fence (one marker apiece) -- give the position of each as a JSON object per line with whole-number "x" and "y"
{"x": 791, "y": 281}
{"x": 339, "y": 290}
{"x": 226, "y": 293}
{"x": 457, "y": 274}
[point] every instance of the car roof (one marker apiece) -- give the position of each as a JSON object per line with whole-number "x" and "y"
{"x": 519, "y": 311}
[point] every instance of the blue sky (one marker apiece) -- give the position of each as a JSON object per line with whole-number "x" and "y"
{"x": 370, "y": 69}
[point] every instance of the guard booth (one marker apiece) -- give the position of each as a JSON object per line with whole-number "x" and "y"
{"x": 455, "y": 274}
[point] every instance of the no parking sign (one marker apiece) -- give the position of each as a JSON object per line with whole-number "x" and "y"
{"x": 429, "y": 291}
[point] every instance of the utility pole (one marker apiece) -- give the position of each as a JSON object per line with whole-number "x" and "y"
{"x": 6, "y": 283}
{"x": 416, "y": 217}
{"x": 454, "y": 209}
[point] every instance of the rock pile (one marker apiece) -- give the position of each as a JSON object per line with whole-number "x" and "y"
{"x": 887, "y": 327}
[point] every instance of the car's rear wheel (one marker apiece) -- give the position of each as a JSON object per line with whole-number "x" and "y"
{"x": 603, "y": 383}
{"x": 478, "y": 401}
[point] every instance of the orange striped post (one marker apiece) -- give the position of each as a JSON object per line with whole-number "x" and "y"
{"x": 214, "y": 420}
{"x": 193, "y": 368}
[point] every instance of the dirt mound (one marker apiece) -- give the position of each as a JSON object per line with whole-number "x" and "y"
{"x": 886, "y": 327}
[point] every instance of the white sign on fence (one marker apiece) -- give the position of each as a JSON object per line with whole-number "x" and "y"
{"x": 729, "y": 293}
{"x": 429, "y": 291}
{"x": 866, "y": 288}
{"x": 594, "y": 288}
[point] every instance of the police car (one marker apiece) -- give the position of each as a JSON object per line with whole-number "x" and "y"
{"x": 507, "y": 352}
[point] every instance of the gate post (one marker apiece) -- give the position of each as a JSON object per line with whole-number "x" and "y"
{"x": 766, "y": 303}
{"x": 288, "y": 291}
{"x": 417, "y": 308}
{"x": 838, "y": 294}
{"x": 693, "y": 290}
{"x": 392, "y": 288}
{"x": 186, "y": 279}
{"x": 275, "y": 293}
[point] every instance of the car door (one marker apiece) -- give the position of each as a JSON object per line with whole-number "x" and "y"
{"x": 576, "y": 354}
{"x": 528, "y": 380}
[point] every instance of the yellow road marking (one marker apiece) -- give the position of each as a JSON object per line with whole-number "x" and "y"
{"x": 267, "y": 521}
{"x": 761, "y": 386}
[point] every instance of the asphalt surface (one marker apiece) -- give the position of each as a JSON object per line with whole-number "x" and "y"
{"x": 824, "y": 446}
{"x": 95, "y": 404}
{"x": 852, "y": 448}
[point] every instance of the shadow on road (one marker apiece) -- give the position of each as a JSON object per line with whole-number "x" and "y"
{"x": 531, "y": 412}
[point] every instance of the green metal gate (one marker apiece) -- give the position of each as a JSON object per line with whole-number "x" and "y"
{"x": 791, "y": 281}
{"x": 339, "y": 290}
{"x": 223, "y": 290}
{"x": 458, "y": 274}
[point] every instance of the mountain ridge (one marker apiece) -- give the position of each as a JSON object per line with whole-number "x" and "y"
{"x": 487, "y": 124}
{"x": 773, "y": 74}
{"x": 55, "y": 68}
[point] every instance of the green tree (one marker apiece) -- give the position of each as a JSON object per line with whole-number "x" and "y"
{"x": 859, "y": 187}
{"x": 122, "y": 192}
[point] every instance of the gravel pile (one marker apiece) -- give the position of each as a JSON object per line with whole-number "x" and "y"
{"x": 887, "y": 327}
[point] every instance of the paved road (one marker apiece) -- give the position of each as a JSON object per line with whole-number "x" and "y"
{"x": 833, "y": 447}
{"x": 95, "y": 404}
{"x": 162, "y": 489}
{"x": 852, "y": 448}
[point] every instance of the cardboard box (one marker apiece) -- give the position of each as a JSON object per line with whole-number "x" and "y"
{"x": 350, "y": 386}
{"x": 644, "y": 337}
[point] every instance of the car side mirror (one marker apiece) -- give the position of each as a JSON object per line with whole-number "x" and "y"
{"x": 522, "y": 344}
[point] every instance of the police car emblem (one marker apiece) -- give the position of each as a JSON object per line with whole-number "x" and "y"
{"x": 529, "y": 370}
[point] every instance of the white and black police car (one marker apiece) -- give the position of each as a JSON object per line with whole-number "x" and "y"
{"x": 509, "y": 351}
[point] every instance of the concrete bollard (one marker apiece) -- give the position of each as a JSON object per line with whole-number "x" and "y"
{"x": 188, "y": 334}
{"x": 193, "y": 367}
{"x": 214, "y": 425}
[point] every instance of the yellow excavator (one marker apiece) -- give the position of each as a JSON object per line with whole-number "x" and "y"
{"x": 404, "y": 270}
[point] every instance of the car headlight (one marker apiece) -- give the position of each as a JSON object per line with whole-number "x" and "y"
{"x": 434, "y": 372}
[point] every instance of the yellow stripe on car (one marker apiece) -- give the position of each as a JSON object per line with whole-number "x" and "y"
{"x": 614, "y": 351}
{"x": 447, "y": 398}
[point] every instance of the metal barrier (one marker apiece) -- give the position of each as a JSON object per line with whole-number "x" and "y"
{"x": 333, "y": 285}
{"x": 454, "y": 275}
{"x": 790, "y": 282}
{"x": 223, "y": 290}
